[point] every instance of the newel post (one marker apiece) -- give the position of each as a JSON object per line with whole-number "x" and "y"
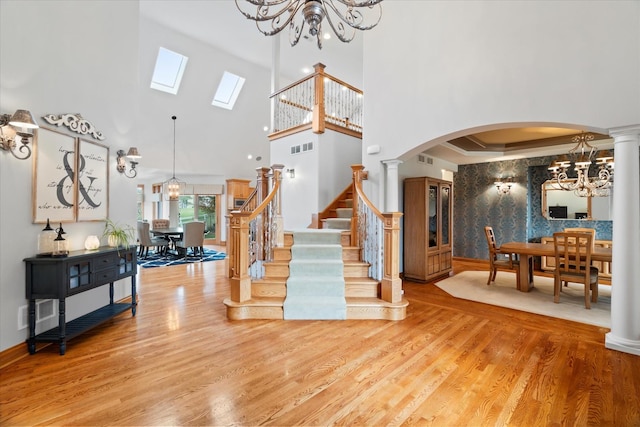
{"x": 279, "y": 221}
{"x": 391, "y": 287}
{"x": 318, "y": 102}
{"x": 358, "y": 171}
{"x": 239, "y": 239}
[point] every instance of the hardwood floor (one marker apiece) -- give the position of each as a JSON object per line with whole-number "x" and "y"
{"x": 451, "y": 362}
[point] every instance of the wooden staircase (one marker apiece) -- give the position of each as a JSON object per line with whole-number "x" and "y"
{"x": 366, "y": 298}
{"x": 362, "y": 293}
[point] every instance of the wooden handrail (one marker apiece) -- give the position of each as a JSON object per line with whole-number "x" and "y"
{"x": 391, "y": 284}
{"x": 238, "y": 241}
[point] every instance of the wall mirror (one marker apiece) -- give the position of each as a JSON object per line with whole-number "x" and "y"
{"x": 561, "y": 204}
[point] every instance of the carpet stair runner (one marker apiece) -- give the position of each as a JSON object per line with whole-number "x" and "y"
{"x": 316, "y": 285}
{"x": 362, "y": 293}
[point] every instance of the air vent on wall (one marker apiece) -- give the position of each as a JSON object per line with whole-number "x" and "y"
{"x": 307, "y": 146}
{"x": 425, "y": 159}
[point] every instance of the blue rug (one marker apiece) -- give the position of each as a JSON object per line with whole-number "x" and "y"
{"x": 156, "y": 260}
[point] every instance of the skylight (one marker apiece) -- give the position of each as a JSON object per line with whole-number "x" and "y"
{"x": 228, "y": 91}
{"x": 168, "y": 72}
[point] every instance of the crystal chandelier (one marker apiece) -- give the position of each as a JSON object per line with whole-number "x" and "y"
{"x": 173, "y": 185}
{"x": 584, "y": 185}
{"x": 272, "y": 16}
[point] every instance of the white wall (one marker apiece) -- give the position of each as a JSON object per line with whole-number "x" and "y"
{"x": 56, "y": 57}
{"x": 320, "y": 174}
{"x": 481, "y": 64}
{"x": 209, "y": 140}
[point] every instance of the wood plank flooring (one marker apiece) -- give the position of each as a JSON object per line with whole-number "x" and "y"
{"x": 451, "y": 362}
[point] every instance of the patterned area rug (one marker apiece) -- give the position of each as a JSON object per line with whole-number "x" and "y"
{"x": 156, "y": 260}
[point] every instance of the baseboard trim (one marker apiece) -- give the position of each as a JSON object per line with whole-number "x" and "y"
{"x": 13, "y": 354}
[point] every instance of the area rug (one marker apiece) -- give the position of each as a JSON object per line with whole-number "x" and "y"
{"x": 472, "y": 285}
{"x": 156, "y": 260}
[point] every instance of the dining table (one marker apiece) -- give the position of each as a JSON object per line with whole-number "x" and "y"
{"x": 528, "y": 250}
{"x": 173, "y": 234}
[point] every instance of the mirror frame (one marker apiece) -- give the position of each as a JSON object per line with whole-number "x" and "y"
{"x": 545, "y": 208}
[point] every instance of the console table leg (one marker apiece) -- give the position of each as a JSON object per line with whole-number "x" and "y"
{"x": 134, "y": 299}
{"x": 31, "y": 342}
{"x": 62, "y": 326}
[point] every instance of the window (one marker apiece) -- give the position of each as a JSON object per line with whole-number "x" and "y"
{"x": 228, "y": 91}
{"x": 168, "y": 72}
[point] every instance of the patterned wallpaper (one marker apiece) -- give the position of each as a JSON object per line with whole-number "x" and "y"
{"x": 516, "y": 216}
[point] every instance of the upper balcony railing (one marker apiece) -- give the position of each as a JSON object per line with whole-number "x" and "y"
{"x": 318, "y": 102}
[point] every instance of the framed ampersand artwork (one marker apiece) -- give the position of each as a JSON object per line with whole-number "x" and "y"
{"x": 93, "y": 181}
{"x": 70, "y": 178}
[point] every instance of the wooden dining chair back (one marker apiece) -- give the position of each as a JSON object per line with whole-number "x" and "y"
{"x": 591, "y": 231}
{"x": 145, "y": 241}
{"x": 499, "y": 260}
{"x": 573, "y": 264}
{"x": 193, "y": 239}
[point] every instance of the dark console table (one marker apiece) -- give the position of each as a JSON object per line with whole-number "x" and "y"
{"x": 59, "y": 278}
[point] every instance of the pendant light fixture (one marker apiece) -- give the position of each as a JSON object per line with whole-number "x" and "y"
{"x": 172, "y": 186}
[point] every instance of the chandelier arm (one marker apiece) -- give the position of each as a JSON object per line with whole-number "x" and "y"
{"x": 359, "y": 3}
{"x": 263, "y": 10}
{"x": 295, "y": 28}
{"x": 352, "y": 17}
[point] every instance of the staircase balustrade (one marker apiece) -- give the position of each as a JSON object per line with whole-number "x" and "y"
{"x": 378, "y": 237}
{"x": 254, "y": 234}
{"x": 316, "y": 102}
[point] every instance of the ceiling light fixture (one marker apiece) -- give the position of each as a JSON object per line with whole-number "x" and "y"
{"x": 272, "y": 16}
{"x": 584, "y": 185}
{"x": 173, "y": 185}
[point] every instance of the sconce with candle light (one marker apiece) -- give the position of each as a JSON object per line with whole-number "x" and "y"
{"x": 503, "y": 185}
{"x": 121, "y": 165}
{"x": 291, "y": 173}
{"x": 23, "y": 120}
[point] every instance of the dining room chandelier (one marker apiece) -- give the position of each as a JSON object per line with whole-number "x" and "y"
{"x": 583, "y": 185}
{"x": 344, "y": 16}
{"x": 172, "y": 186}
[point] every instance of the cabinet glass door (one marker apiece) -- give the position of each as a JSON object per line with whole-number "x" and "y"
{"x": 433, "y": 216}
{"x": 445, "y": 214}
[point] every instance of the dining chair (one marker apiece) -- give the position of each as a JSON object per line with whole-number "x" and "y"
{"x": 591, "y": 231}
{"x": 507, "y": 263}
{"x": 193, "y": 237}
{"x": 160, "y": 223}
{"x": 145, "y": 241}
{"x": 573, "y": 264}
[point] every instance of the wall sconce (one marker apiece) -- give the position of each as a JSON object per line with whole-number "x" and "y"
{"x": 122, "y": 163}
{"x": 504, "y": 186}
{"x": 291, "y": 173}
{"x": 21, "y": 119}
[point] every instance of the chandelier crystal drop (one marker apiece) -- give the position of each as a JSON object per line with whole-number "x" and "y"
{"x": 344, "y": 16}
{"x": 172, "y": 185}
{"x": 584, "y": 185}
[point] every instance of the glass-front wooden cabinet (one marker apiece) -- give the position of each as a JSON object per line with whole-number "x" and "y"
{"x": 427, "y": 228}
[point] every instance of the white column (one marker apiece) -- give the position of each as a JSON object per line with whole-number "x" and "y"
{"x": 275, "y": 76}
{"x": 174, "y": 212}
{"x": 625, "y": 267}
{"x": 391, "y": 184}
